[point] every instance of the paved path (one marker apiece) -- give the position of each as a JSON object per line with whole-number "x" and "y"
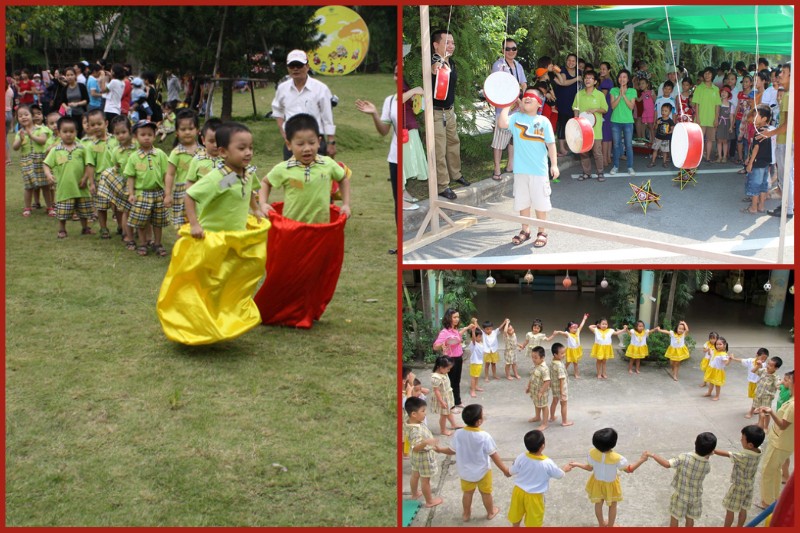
{"x": 648, "y": 410}
{"x": 706, "y": 216}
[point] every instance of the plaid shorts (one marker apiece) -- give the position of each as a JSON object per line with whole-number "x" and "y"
{"x": 762, "y": 401}
{"x": 149, "y": 208}
{"x": 178, "y": 205}
{"x": 679, "y": 508}
{"x": 424, "y": 462}
{"x": 102, "y": 200}
{"x": 737, "y": 498}
{"x": 83, "y": 206}
{"x": 117, "y": 185}
{"x": 33, "y": 175}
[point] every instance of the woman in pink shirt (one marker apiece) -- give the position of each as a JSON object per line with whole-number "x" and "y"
{"x": 449, "y": 343}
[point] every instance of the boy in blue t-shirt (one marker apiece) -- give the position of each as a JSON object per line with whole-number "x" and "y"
{"x": 534, "y": 142}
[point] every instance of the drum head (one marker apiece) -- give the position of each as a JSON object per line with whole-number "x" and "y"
{"x": 501, "y": 89}
{"x": 442, "y": 83}
{"x": 686, "y": 147}
{"x": 589, "y": 117}
{"x": 579, "y": 135}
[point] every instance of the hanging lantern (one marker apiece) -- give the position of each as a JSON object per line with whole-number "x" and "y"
{"x": 567, "y": 282}
{"x": 490, "y": 281}
{"x": 528, "y": 277}
{"x": 768, "y": 286}
{"x": 791, "y": 289}
{"x": 604, "y": 283}
{"x": 704, "y": 287}
{"x": 737, "y": 288}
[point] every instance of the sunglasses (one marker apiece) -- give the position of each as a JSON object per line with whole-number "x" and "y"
{"x": 296, "y": 65}
{"x": 511, "y": 49}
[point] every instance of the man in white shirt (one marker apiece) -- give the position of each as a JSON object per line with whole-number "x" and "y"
{"x": 303, "y": 94}
{"x": 173, "y": 87}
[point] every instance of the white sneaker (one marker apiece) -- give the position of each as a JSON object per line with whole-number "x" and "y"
{"x": 410, "y": 207}
{"x": 631, "y": 172}
{"x": 613, "y": 170}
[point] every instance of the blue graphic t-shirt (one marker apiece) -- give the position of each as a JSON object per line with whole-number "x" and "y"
{"x": 531, "y": 136}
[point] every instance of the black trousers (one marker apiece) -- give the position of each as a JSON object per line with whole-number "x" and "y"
{"x": 455, "y": 378}
{"x": 393, "y": 181}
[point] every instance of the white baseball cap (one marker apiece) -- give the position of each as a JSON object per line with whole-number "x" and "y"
{"x": 297, "y": 56}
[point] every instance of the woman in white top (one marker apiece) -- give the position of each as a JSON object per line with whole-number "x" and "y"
{"x": 113, "y": 91}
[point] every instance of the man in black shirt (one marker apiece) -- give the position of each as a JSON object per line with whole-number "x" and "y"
{"x": 448, "y": 146}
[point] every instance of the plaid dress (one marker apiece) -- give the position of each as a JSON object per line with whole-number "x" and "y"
{"x": 510, "y": 349}
{"x": 424, "y": 461}
{"x": 765, "y": 389}
{"x": 441, "y": 382}
{"x": 539, "y": 375}
{"x": 743, "y": 476}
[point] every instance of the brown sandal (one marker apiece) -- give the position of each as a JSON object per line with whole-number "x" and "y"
{"x": 541, "y": 240}
{"x": 521, "y": 237}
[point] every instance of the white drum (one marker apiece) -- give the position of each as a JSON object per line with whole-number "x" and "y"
{"x": 501, "y": 89}
{"x": 589, "y": 117}
{"x": 579, "y": 135}
{"x": 686, "y": 146}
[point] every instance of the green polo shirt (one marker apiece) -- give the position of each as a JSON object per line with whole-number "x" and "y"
{"x": 223, "y": 199}
{"x": 201, "y": 165}
{"x": 120, "y": 155}
{"x": 182, "y": 159}
{"x": 29, "y": 146}
{"x": 707, "y": 99}
{"x": 68, "y": 167}
{"x": 148, "y": 168}
{"x": 99, "y": 152}
{"x": 622, "y": 114}
{"x": 307, "y": 189}
{"x": 596, "y": 100}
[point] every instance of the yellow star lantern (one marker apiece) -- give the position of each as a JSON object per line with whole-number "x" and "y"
{"x": 685, "y": 177}
{"x": 644, "y": 195}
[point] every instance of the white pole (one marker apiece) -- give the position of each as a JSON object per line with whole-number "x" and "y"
{"x": 788, "y": 163}
{"x": 430, "y": 139}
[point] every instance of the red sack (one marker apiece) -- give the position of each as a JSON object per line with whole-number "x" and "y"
{"x": 303, "y": 266}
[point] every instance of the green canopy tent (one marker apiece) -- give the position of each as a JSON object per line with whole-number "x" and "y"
{"x": 730, "y": 27}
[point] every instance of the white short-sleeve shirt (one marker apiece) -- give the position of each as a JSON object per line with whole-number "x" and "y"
{"x": 473, "y": 448}
{"x": 389, "y": 116}
{"x": 533, "y": 472}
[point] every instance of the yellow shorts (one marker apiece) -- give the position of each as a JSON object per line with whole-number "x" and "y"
{"x": 484, "y": 485}
{"x": 491, "y": 357}
{"x": 475, "y": 370}
{"x": 525, "y": 504}
{"x": 406, "y": 446}
{"x": 751, "y": 390}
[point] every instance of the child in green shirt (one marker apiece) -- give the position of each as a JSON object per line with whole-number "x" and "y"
{"x": 180, "y": 160}
{"x": 220, "y": 201}
{"x": 208, "y": 159}
{"x": 145, "y": 170}
{"x": 30, "y": 140}
{"x": 99, "y": 146}
{"x": 67, "y": 167}
{"x": 306, "y": 176}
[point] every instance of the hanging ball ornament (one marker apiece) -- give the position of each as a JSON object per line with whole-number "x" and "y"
{"x": 704, "y": 287}
{"x": 768, "y": 286}
{"x": 528, "y": 277}
{"x": 791, "y": 289}
{"x": 567, "y": 283}
{"x": 491, "y": 282}
{"x": 604, "y": 283}
{"x": 737, "y": 288}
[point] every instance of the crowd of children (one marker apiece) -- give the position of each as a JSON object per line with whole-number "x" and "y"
{"x": 475, "y": 450}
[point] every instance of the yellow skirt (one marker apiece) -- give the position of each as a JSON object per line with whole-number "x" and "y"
{"x": 607, "y": 491}
{"x": 715, "y": 376}
{"x": 574, "y": 354}
{"x": 602, "y": 351}
{"x": 704, "y": 363}
{"x": 677, "y": 354}
{"x": 637, "y": 352}
{"x": 751, "y": 390}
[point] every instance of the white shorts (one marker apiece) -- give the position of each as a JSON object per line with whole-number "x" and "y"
{"x": 661, "y": 145}
{"x": 531, "y": 191}
{"x": 501, "y": 139}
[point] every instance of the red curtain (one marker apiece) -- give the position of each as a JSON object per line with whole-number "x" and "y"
{"x": 303, "y": 266}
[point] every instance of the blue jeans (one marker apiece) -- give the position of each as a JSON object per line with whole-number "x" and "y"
{"x": 617, "y": 131}
{"x": 757, "y": 181}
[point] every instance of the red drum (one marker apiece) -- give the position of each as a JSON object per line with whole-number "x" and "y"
{"x": 579, "y": 135}
{"x": 501, "y": 89}
{"x": 442, "y": 83}
{"x": 687, "y": 145}
{"x": 589, "y": 117}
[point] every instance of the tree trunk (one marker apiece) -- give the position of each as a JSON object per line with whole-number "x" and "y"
{"x": 113, "y": 35}
{"x": 227, "y": 99}
{"x": 426, "y": 296}
{"x": 673, "y": 284}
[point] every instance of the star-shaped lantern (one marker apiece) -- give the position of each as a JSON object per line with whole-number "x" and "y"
{"x": 643, "y": 195}
{"x": 685, "y": 177}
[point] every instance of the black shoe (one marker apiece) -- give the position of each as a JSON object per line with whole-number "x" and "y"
{"x": 463, "y": 181}
{"x": 449, "y": 194}
{"x": 393, "y": 251}
{"x": 777, "y": 213}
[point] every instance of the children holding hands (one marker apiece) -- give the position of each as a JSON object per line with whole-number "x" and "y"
{"x": 745, "y": 465}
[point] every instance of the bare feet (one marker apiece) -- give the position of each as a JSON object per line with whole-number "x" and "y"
{"x": 416, "y": 496}
{"x": 542, "y": 427}
{"x": 552, "y": 419}
{"x": 637, "y": 370}
{"x": 465, "y": 517}
{"x": 749, "y": 415}
{"x": 434, "y": 502}
{"x": 599, "y": 376}
{"x": 516, "y": 376}
{"x": 630, "y": 371}
{"x": 605, "y": 377}
{"x": 565, "y": 424}
{"x": 715, "y": 399}
{"x": 494, "y": 513}
{"x": 479, "y": 389}
{"x": 509, "y": 378}
{"x": 674, "y": 378}
{"x": 706, "y": 395}
{"x": 534, "y": 420}
{"x": 577, "y": 376}
{"x": 472, "y": 394}
{"x": 447, "y": 433}
{"x": 703, "y": 384}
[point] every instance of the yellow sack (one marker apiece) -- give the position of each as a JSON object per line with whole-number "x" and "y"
{"x": 207, "y": 293}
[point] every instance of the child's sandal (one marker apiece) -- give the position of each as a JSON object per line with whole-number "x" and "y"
{"x": 160, "y": 251}
{"x": 142, "y": 251}
{"x": 104, "y": 233}
{"x": 87, "y": 231}
{"x": 62, "y": 234}
{"x": 130, "y": 245}
{"x": 26, "y": 212}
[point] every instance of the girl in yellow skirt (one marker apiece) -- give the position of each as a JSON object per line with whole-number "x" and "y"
{"x": 677, "y": 350}
{"x": 708, "y": 353}
{"x": 602, "y": 350}
{"x": 637, "y": 349}
{"x": 715, "y": 372}
{"x": 574, "y": 350}
{"x": 442, "y": 403}
{"x": 604, "y": 464}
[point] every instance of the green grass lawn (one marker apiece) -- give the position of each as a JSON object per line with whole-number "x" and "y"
{"x": 109, "y": 423}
